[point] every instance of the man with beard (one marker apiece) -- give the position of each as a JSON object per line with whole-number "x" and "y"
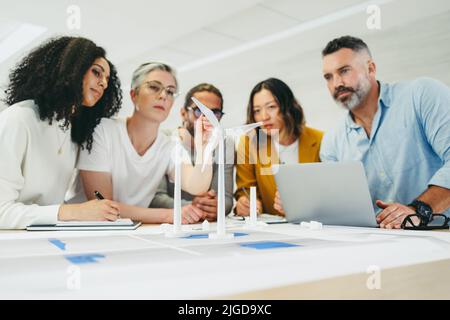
{"x": 400, "y": 132}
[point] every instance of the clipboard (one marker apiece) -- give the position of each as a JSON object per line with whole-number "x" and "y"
{"x": 119, "y": 224}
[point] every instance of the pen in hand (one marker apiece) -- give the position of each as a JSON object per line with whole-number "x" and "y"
{"x": 246, "y": 193}
{"x": 99, "y": 196}
{"x": 248, "y": 197}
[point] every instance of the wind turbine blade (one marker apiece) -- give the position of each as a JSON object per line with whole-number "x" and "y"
{"x": 207, "y": 112}
{"x": 209, "y": 149}
{"x": 206, "y": 158}
{"x": 238, "y": 131}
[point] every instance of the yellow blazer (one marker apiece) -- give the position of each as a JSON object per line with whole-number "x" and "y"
{"x": 253, "y": 167}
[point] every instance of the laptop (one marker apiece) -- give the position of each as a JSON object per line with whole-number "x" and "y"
{"x": 333, "y": 193}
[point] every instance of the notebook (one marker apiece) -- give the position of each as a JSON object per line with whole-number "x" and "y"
{"x": 263, "y": 217}
{"x": 119, "y": 224}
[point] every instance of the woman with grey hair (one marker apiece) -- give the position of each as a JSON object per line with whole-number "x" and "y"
{"x": 129, "y": 157}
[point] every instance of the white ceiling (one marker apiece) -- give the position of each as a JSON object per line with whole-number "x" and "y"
{"x": 235, "y": 44}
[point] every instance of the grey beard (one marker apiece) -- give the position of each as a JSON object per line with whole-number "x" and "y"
{"x": 352, "y": 102}
{"x": 356, "y": 97}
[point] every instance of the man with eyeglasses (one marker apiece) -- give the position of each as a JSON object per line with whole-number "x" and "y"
{"x": 207, "y": 202}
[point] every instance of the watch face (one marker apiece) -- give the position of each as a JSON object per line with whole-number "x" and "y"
{"x": 424, "y": 211}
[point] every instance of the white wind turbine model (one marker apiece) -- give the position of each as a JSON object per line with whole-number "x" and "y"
{"x": 176, "y": 230}
{"x": 218, "y": 136}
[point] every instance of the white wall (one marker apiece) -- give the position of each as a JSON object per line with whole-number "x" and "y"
{"x": 414, "y": 40}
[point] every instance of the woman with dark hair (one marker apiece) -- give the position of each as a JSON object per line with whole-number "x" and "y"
{"x": 56, "y": 97}
{"x": 282, "y": 139}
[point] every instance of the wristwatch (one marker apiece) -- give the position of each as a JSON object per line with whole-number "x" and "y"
{"x": 423, "y": 210}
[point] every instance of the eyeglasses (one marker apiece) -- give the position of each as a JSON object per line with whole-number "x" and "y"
{"x": 438, "y": 221}
{"x": 156, "y": 88}
{"x": 197, "y": 112}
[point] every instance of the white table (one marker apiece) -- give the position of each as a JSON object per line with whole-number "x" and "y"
{"x": 335, "y": 262}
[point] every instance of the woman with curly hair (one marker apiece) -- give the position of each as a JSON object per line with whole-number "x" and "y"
{"x": 56, "y": 97}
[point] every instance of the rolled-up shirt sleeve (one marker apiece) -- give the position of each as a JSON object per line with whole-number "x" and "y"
{"x": 432, "y": 104}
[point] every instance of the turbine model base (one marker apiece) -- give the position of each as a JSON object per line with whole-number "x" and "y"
{"x": 176, "y": 234}
{"x": 254, "y": 225}
{"x": 217, "y": 236}
{"x": 170, "y": 231}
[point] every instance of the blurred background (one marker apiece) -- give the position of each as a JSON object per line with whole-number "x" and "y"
{"x": 236, "y": 43}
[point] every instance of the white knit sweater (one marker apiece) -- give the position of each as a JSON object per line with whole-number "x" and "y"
{"x": 34, "y": 177}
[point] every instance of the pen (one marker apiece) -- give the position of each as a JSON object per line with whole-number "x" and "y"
{"x": 236, "y": 216}
{"x": 98, "y": 195}
{"x": 245, "y": 191}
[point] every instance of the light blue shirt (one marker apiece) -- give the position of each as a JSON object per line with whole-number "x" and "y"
{"x": 409, "y": 146}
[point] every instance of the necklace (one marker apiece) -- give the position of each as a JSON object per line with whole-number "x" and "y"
{"x": 61, "y": 144}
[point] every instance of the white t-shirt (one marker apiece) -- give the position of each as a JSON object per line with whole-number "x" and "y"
{"x": 34, "y": 176}
{"x": 135, "y": 178}
{"x": 287, "y": 154}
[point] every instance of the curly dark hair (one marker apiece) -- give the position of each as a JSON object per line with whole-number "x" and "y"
{"x": 52, "y": 75}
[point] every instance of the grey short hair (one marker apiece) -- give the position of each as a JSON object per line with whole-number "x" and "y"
{"x": 348, "y": 42}
{"x": 144, "y": 69}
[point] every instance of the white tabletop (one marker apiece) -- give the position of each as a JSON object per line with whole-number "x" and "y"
{"x": 144, "y": 263}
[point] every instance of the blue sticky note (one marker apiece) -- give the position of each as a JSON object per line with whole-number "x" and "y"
{"x": 58, "y": 243}
{"x": 84, "y": 258}
{"x": 240, "y": 234}
{"x": 196, "y": 236}
{"x": 263, "y": 245}
{"x": 205, "y": 235}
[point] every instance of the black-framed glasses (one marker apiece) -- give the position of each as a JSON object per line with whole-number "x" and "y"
{"x": 197, "y": 112}
{"x": 438, "y": 221}
{"x": 157, "y": 87}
